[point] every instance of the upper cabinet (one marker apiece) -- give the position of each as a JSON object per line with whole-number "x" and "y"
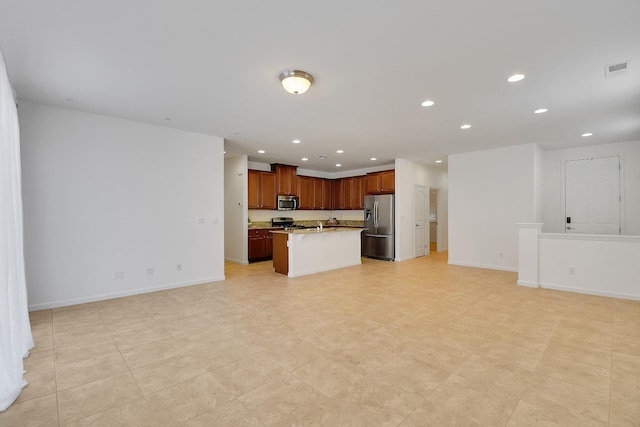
{"x": 314, "y": 193}
{"x": 348, "y": 193}
{"x": 381, "y": 182}
{"x": 286, "y": 182}
{"x": 262, "y": 190}
{"x": 305, "y": 192}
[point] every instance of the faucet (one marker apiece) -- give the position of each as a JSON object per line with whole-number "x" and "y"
{"x": 320, "y": 224}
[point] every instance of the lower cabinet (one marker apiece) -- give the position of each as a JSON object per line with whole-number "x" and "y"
{"x": 260, "y": 245}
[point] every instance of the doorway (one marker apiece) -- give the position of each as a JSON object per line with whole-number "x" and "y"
{"x": 433, "y": 220}
{"x": 420, "y": 221}
{"x": 592, "y": 196}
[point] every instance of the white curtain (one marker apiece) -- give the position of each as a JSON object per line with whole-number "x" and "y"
{"x": 15, "y": 331}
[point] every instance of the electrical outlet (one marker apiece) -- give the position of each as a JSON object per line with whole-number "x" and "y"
{"x": 179, "y": 267}
{"x": 150, "y": 271}
{"x": 572, "y": 270}
{"x": 200, "y": 220}
{"x": 500, "y": 254}
{"x": 118, "y": 275}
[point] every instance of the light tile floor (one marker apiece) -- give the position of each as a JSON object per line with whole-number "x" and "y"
{"x": 382, "y": 344}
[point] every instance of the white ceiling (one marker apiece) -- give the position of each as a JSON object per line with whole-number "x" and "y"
{"x": 212, "y": 67}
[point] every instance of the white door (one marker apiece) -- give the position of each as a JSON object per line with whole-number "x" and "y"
{"x": 420, "y": 217}
{"x": 592, "y": 195}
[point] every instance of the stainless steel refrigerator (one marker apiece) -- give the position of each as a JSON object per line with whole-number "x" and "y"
{"x": 378, "y": 239}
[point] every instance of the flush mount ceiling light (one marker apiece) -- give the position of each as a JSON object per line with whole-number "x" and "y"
{"x": 515, "y": 78}
{"x": 261, "y": 151}
{"x": 304, "y": 159}
{"x": 296, "y": 141}
{"x": 465, "y": 126}
{"x": 338, "y": 165}
{"x": 373, "y": 159}
{"x": 587, "y": 134}
{"x": 541, "y": 110}
{"x": 427, "y": 103}
{"x": 339, "y": 151}
{"x": 438, "y": 161}
{"x": 296, "y": 81}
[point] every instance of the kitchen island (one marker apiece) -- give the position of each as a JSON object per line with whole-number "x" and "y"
{"x": 301, "y": 252}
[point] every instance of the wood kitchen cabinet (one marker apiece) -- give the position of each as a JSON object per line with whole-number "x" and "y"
{"x": 337, "y": 190}
{"x": 381, "y": 182}
{"x": 286, "y": 180}
{"x": 327, "y": 197}
{"x": 348, "y": 193}
{"x": 262, "y": 190}
{"x": 306, "y": 197}
{"x": 260, "y": 245}
{"x": 314, "y": 193}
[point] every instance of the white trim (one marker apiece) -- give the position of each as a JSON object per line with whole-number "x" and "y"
{"x": 589, "y": 291}
{"x": 528, "y": 284}
{"x": 237, "y": 261}
{"x": 111, "y": 295}
{"x": 405, "y": 258}
{"x": 591, "y": 237}
{"x": 489, "y": 267}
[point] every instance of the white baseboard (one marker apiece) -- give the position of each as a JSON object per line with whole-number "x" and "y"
{"x": 528, "y": 284}
{"x": 237, "y": 261}
{"x": 487, "y": 266}
{"x": 129, "y": 292}
{"x": 596, "y": 292}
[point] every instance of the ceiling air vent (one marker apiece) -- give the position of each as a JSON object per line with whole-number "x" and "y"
{"x": 616, "y": 69}
{"x": 322, "y": 157}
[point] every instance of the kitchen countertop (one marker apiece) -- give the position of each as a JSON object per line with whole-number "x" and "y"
{"x": 316, "y": 231}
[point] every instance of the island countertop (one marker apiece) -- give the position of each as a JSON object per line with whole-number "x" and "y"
{"x": 316, "y": 231}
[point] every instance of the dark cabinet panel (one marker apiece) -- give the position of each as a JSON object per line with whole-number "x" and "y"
{"x": 381, "y": 182}
{"x": 262, "y": 190}
{"x": 286, "y": 182}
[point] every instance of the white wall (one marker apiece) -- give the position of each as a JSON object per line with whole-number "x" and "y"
{"x": 103, "y": 195}
{"x": 235, "y": 209}
{"x": 408, "y": 175}
{"x": 591, "y": 264}
{"x": 489, "y": 192}
{"x": 630, "y": 183}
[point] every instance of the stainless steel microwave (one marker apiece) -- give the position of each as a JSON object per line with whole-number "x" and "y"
{"x": 287, "y": 203}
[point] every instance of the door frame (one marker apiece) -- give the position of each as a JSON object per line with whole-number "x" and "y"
{"x": 438, "y": 214}
{"x": 424, "y": 220}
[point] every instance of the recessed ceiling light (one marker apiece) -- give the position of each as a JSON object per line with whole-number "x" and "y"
{"x": 304, "y": 159}
{"x": 515, "y": 78}
{"x": 339, "y": 151}
{"x": 438, "y": 161}
{"x": 338, "y": 165}
{"x": 427, "y": 103}
{"x": 296, "y": 141}
{"x": 541, "y": 110}
{"x": 224, "y": 152}
{"x": 261, "y": 151}
{"x": 373, "y": 159}
{"x": 465, "y": 126}
{"x": 587, "y": 134}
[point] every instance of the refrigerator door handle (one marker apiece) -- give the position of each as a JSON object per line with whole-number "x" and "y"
{"x": 377, "y": 235}
{"x": 375, "y": 214}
